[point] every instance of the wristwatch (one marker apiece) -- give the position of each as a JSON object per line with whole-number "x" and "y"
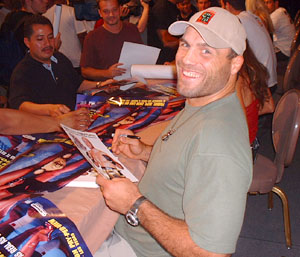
{"x": 131, "y": 215}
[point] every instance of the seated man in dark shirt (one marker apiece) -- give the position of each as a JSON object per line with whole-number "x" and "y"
{"x": 45, "y": 82}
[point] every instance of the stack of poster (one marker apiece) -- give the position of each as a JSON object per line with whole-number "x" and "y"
{"x": 36, "y": 227}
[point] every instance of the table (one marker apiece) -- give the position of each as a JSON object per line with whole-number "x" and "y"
{"x": 86, "y": 206}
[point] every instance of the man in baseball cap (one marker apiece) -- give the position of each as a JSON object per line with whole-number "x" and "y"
{"x": 191, "y": 199}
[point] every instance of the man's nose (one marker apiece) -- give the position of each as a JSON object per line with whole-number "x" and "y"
{"x": 189, "y": 56}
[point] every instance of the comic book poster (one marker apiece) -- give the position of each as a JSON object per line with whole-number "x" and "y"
{"x": 47, "y": 166}
{"x": 127, "y": 113}
{"x": 36, "y": 227}
{"x": 97, "y": 154}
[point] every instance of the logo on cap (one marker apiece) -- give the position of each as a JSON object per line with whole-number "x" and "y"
{"x": 205, "y": 17}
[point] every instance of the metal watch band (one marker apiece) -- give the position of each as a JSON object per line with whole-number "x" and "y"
{"x": 138, "y": 202}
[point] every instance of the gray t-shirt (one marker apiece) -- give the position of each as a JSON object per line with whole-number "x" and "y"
{"x": 201, "y": 174}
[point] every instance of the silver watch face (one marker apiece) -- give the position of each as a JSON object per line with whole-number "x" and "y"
{"x": 132, "y": 219}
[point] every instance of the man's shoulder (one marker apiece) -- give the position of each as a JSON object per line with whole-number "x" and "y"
{"x": 98, "y": 32}
{"x": 129, "y": 26}
{"x": 279, "y": 13}
{"x": 61, "y": 58}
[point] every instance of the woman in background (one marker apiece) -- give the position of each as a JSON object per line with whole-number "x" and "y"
{"x": 258, "y": 8}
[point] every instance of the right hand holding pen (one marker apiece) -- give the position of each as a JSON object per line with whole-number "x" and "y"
{"x": 132, "y": 148}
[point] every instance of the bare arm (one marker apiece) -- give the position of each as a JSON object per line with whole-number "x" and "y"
{"x": 44, "y": 109}
{"x": 171, "y": 233}
{"x": 15, "y": 122}
{"x": 97, "y": 74}
{"x": 142, "y": 24}
{"x": 167, "y": 39}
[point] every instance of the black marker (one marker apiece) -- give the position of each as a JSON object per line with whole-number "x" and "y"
{"x": 129, "y": 136}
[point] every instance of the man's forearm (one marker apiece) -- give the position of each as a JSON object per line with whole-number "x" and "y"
{"x": 94, "y": 74}
{"x": 38, "y": 109}
{"x": 167, "y": 39}
{"x": 171, "y": 233}
{"x": 86, "y": 85}
{"x": 14, "y": 122}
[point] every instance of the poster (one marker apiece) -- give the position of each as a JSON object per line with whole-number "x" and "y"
{"x": 36, "y": 227}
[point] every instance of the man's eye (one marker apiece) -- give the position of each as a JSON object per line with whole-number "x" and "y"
{"x": 182, "y": 44}
{"x": 206, "y": 51}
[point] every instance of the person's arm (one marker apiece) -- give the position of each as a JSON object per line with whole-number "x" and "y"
{"x": 167, "y": 39}
{"x": 44, "y": 109}
{"x": 142, "y": 24}
{"x": 170, "y": 232}
{"x": 15, "y": 122}
{"x": 87, "y": 84}
{"x": 132, "y": 148}
{"x": 98, "y": 74}
{"x": 268, "y": 106}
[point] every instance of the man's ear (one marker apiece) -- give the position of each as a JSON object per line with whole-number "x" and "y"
{"x": 26, "y": 42}
{"x": 276, "y": 4}
{"x": 236, "y": 64}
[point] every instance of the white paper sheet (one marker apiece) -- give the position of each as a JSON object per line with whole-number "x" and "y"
{"x": 56, "y": 20}
{"x": 142, "y": 72}
{"x": 133, "y": 53}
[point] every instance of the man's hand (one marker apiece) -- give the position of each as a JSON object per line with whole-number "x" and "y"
{"x": 78, "y": 119}
{"x": 124, "y": 11}
{"x": 132, "y": 148}
{"x": 57, "y": 109}
{"x": 119, "y": 193}
{"x": 113, "y": 70}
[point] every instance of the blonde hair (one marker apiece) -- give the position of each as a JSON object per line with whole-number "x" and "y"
{"x": 259, "y": 9}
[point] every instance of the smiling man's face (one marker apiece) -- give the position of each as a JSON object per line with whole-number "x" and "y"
{"x": 201, "y": 70}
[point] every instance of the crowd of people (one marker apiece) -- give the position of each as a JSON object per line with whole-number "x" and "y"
{"x": 191, "y": 199}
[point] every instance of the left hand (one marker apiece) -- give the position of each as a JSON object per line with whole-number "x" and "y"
{"x": 119, "y": 193}
{"x": 78, "y": 119}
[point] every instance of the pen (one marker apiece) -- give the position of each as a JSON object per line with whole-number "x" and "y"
{"x": 129, "y": 136}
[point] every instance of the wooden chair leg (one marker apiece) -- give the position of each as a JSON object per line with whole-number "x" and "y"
{"x": 286, "y": 214}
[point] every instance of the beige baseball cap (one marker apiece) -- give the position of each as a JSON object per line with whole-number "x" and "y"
{"x": 218, "y": 27}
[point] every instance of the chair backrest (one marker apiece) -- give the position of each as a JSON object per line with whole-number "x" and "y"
{"x": 296, "y": 41}
{"x": 292, "y": 74}
{"x": 285, "y": 129}
{"x": 297, "y": 19}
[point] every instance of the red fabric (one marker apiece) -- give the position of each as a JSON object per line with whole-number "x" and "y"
{"x": 98, "y": 23}
{"x": 252, "y": 119}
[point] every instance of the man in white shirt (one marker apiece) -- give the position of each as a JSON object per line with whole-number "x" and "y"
{"x": 72, "y": 32}
{"x": 284, "y": 29}
{"x": 257, "y": 36}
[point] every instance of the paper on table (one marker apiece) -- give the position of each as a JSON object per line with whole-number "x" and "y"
{"x": 141, "y": 72}
{"x": 133, "y": 53}
{"x": 56, "y": 20}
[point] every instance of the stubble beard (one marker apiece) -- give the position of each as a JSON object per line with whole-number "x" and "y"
{"x": 210, "y": 85}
